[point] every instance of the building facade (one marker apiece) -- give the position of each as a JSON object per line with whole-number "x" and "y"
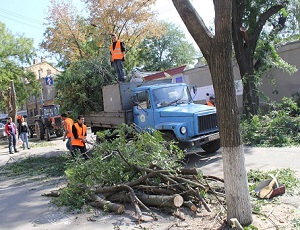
{"x": 46, "y": 75}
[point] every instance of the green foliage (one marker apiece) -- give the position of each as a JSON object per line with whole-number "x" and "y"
{"x": 250, "y": 227}
{"x": 14, "y": 51}
{"x": 165, "y": 52}
{"x": 38, "y": 166}
{"x": 279, "y": 127}
{"x": 80, "y": 86}
{"x": 296, "y": 223}
{"x": 115, "y": 161}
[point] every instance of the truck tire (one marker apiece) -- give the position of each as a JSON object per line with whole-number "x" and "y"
{"x": 47, "y": 132}
{"x": 39, "y": 130}
{"x": 169, "y": 136}
{"x": 59, "y": 132}
{"x": 212, "y": 146}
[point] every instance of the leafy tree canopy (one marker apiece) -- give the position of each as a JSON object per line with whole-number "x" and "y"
{"x": 171, "y": 49}
{"x": 71, "y": 37}
{"x": 79, "y": 88}
{"x": 15, "y": 50}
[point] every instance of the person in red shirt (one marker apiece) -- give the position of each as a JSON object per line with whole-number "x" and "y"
{"x": 11, "y": 131}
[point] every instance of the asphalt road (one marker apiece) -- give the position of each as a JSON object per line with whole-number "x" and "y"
{"x": 23, "y": 207}
{"x": 263, "y": 159}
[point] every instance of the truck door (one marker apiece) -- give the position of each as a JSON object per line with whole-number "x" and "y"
{"x": 143, "y": 110}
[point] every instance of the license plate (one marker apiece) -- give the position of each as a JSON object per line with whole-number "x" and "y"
{"x": 214, "y": 137}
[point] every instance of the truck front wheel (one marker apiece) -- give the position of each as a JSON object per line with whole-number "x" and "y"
{"x": 47, "y": 132}
{"x": 31, "y": 132}
{"x": 169, "y": 136}
{"x": 59, "y": 132}
{"x": 212, "y": 146}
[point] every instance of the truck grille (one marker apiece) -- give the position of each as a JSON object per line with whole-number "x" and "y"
{"x": 207, "y": 122}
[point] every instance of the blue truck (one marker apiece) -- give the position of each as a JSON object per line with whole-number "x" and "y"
{"x": 160, "y": 105}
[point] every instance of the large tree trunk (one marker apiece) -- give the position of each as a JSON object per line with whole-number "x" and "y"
{"x": 217, "y": 49}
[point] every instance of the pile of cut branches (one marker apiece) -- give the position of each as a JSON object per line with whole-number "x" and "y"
{"x": 141, "y": 169}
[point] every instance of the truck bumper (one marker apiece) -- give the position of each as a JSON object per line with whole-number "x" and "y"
{"x": 198, "y": 141}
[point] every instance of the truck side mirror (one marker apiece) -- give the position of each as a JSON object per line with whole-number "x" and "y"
{"x": 194, "y": 89}
{"x": 134, "y": 99}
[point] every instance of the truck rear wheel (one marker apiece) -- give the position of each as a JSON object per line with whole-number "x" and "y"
{"x": 212, "y": 146}
{"x": 39, "y": 130}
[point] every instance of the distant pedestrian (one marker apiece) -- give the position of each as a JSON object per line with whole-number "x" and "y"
{"x": 24, "y": 130}
{"x": 117, "y": 51}
{"x": 211, "y": 101}
{"x": 11, "y": 131}
{"x": 79, "y": 131}
{"x": 68, "y": 123}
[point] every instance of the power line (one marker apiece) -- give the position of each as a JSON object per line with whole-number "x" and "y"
{"x": 33, "y": 26}
{"x": 20, "y": 16}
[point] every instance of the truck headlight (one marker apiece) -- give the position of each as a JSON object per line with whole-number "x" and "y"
{"x": 183, "y": 130}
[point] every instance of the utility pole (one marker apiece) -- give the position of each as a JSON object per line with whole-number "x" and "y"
{"x": 12, "y": 101}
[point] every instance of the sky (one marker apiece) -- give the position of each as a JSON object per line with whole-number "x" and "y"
{"x": 26, "y": 17}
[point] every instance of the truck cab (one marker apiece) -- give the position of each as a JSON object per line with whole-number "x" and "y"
{"x": 170, "y": 109}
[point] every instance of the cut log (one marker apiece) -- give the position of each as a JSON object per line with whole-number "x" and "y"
{"x": 190, "y": 205}
{"x": 162, "y": 201}
{"x": 101, "y": 203}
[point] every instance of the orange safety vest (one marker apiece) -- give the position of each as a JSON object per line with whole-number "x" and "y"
{"x": 81, "y": 131}
{"x": 69, "y": 123}
{"x": 117, "y": 52}
{"x": 209, "y": 103}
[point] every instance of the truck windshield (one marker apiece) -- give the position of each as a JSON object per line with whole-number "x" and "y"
{"x": 50, "y": 112}
{"x": 167, "y": 96}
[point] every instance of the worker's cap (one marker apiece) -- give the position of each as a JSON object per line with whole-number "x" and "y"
{"x": 112, "y": 35}
{"x": 211, "y": 97}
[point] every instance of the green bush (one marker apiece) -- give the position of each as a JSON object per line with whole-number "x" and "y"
{"x": 114, "y": 160}
{"x": 278, "y": 128}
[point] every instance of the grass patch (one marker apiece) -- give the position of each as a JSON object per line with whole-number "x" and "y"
{"x": 53, "y": 166}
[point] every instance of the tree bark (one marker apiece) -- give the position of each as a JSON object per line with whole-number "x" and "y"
{"x": 219, "y": 57}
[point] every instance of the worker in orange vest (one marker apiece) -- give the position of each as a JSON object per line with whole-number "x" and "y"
{"x": 117, "y": 51}
{"x": 79, "y": 132}
{"x": 68, "y": 123}
{"x": 211, "y": 101}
